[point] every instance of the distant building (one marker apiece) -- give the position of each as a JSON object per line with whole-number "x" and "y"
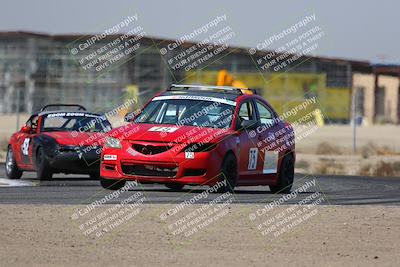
{"x": 36, "y": 69}
{"x": 378, "y": 94}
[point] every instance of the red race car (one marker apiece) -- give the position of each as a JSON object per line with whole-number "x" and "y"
{"x": 58, "y": 141}
{"x": 201, "y": 135}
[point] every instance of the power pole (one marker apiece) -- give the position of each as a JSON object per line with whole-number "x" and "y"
{"x": 354, "y": 104}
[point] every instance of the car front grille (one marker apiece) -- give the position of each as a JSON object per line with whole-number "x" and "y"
{"x": 149, "y": 170}
{"x": 150, "y": 149}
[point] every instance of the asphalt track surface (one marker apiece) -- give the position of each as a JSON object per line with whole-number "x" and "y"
{"x": 73, "y": 189}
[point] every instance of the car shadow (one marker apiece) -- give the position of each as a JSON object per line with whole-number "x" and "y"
{"x": 199, "y": 191}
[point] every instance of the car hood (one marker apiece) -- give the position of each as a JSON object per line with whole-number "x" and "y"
{"x": 77, "y": 138}
{"x": 168, "y": 133}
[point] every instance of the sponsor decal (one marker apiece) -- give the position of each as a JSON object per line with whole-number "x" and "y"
{"x": 270, "y": 162}
{"x": 74, "y": 114}
{"x": 110, "y": 157}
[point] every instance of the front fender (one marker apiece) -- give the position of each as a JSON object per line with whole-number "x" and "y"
{"x": 49, "y": 145}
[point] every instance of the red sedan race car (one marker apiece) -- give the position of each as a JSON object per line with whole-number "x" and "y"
{"x": 202, "y": 135}
{"x": 61, "y": 141}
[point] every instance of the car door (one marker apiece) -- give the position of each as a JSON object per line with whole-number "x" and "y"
{"x": 270, "y": 130}
{"x": 249, "y": 160}
{"x": 25, "y": 143}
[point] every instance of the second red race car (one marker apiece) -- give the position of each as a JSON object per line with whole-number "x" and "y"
{"x": 58, "y": 141}
{"x": 202, "y": 135}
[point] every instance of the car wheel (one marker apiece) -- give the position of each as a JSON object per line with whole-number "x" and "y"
{"x": 286, "y": 176}
{"x": 175, "y": 187}
{"x": 111, "y": 183}
{"x": 229, "y": 174}
{"x": 43, "y": 169}
{"x": 12, "y": 170}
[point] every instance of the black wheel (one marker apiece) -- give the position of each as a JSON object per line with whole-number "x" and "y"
{"x": 43, "y": 169}
{"x": 112, "y": 184}
{"x": 286, "y": 176}
{"x": 95, "y": 176}
{"x": 12, "y": 170}
{"x": 175, "y": 187}
{"x": 229, "y": 174}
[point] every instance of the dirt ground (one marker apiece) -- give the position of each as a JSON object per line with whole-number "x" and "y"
{"x": 350, "y": 164}
{"x": 341, "y": 136}
{"x": 33, "y": 235}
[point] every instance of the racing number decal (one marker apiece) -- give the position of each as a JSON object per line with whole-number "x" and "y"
{"x": 163, "y": 129}
{"x": 25, "y": 146}
{"x": 253, "y": 153}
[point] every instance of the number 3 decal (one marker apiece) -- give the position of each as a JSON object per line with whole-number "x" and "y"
{"x": 25, "y": 146}
{"x": 253, "y": 153}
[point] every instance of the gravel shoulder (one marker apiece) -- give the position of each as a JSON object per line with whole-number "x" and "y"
{"x": 336, "y": 236}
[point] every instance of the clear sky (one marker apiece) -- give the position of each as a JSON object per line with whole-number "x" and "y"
{"x": 366, "y": 30}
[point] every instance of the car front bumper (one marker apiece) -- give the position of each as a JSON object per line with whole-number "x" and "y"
{"x": 203, "y": 169}
{"x": 76, "y": 161}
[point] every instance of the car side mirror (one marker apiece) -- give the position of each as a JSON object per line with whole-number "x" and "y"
{"x": 129, "y": 117}
{"x": 26, "y": 129}
{"x": 249, "y": 124}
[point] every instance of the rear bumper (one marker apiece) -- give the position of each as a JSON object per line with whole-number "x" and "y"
{"x": 204, "y": 169}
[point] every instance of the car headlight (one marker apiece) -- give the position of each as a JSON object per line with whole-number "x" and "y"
{"x": 112, "y": 142}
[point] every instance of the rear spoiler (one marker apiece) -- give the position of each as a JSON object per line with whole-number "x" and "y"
{"x": 79, "y": 107}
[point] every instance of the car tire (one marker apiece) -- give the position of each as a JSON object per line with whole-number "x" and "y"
{"x": 43, "y": 169}
{"x": 112, "y": 184}
{"x": 12, "y": 170}
{"x": 175, "y": 187}
{"x": 229, "y": 173}
{"x": 285, "y": 176}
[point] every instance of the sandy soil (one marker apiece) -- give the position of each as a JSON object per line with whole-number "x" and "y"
{"x": 341, "y": 136}
{"x": 335, "y": 236}
{"x": 348, "y": 164}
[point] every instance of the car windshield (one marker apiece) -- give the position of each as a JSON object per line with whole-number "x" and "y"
{"x": 79, "y": 122}
{"x": 215, "y": 114}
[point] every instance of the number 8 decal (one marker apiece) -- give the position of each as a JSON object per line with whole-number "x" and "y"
{"x": 25, "y": 146}
{"x": 253, "y": 153}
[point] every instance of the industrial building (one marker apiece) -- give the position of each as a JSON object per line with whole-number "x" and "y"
{"x": 36, "y": 69}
